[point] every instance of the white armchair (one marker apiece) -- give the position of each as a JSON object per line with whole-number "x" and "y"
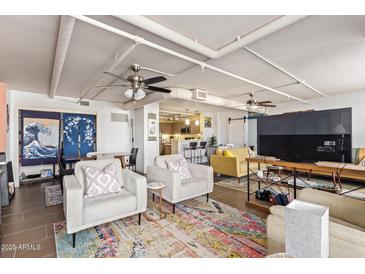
{"x": 82, "y": 213}
{"x": 176, "y": 189}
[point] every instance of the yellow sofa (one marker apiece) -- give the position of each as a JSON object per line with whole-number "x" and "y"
{"x": 231, "y": 162}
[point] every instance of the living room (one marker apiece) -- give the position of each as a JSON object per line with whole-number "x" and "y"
{"x": 182, "y": 136}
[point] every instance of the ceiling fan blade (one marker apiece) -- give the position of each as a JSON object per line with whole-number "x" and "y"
{"x": 111, "y": 86}
{"x": 268, "y": 106}
{"x": 115, "y": 76}
{"x": 154, "y": 80}
{"x": 158, "y": 89}
{"x": 264, "y": 102}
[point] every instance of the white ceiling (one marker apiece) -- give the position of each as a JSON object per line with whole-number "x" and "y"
{"x": 213, "y": 31}
{"x": 328, "y": 52}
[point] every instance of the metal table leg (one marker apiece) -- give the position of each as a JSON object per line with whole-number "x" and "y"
{"x": 248, "y": 181}
{"x": 295, "y": 183}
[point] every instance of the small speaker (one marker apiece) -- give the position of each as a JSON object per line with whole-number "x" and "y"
{"x": 119, "y": 117}
{"x": 85, "y": 103}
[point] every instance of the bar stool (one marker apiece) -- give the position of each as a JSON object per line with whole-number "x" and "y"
{"x": 192, "y": 148}
{"x": 202, "y": 148}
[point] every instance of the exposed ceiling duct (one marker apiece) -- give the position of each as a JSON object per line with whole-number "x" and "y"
{"x": 184, "y": 94}
{"x": 142, "y": 41}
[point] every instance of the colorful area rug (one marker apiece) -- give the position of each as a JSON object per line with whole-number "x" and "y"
{"x": 53, "y": 195}
{"x": 198, "y": 229}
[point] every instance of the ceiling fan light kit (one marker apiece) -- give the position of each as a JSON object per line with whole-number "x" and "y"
{"x": 129, "y": 93}
{"x": 137, "y": 84}
{"x": 139, "y": 94}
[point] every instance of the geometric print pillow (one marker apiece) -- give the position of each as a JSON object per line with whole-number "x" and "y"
{"x": 181, "y": 166}
{"x": 99, "y": 182}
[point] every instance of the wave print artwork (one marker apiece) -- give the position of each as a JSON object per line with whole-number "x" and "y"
{"x": 40, "y": 138}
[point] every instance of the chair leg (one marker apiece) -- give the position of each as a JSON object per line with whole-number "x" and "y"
{"x": 73, "y": 240}
{"x": 139, "y": 218}
{"x": 153, "y": 197}
{"x": 239, "y": 179}
{"x": 207, "y": 197}
{"x": 173, "y": 208}
{"x": 61, "y": 178}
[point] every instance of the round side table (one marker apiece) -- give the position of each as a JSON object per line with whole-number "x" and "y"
{"x": 156, "y": 187}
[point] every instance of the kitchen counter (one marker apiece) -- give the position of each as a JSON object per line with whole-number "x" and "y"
{"x": 178, "y": 146}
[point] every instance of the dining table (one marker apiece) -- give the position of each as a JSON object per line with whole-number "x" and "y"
{"x": 107, "y": 155}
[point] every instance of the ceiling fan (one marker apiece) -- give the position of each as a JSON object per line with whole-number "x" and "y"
{"x": 137, "y": 84}
{"x": 255, "y": 106}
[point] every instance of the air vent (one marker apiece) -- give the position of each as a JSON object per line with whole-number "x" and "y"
{"x": 85, "y": 103}
{"x": 199, "y": 94}
{"x": 119, "y": 117}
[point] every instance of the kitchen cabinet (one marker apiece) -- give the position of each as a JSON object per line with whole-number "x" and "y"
{"x": 166, "y": 128}
{"x": 166, "y": 149}
{"x": 176, "y": 127}
{"x": 194, "y": 129}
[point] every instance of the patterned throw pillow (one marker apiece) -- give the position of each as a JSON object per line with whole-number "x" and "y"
{"x": 99, "y": 182}
{"x": 181, "y": 166}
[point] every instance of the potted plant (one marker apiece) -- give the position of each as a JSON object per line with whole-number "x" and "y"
{"x": 212, "y": 146}
{"x": 213, "y": 142}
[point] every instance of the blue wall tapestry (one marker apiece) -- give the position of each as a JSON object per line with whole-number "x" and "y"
{"x": 79, "y": 134}
{"x": 40, "y": 137}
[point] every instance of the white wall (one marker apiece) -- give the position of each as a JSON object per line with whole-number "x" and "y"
{"x": 252, "y": 132}
{"x": 208, "y": 132}
{"x": 147, "y": 150}
{"x": 111, "y": 136}
{"x": 231, "y": 133}
{"x": 356, "y": 100}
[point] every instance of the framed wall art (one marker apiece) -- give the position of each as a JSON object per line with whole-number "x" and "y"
{"x": 40, "y": 137}
{"x": 152, "y": 127}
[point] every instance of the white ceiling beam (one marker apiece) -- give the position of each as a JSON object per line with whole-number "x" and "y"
{"x": 150, "y": 44}
{"x": 173, "y": 36}
{"x": 63, "y": 41}
{"x": 178, "y": 38}
{"x": 267, "y": 29}
{"x": 285, "y": 71}
{"x": 100, "y": 76}
{"x": 242, "y": 41}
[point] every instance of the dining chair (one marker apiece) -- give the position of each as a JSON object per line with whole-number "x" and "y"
{"x": 133, "y": 158}
{"x": 62, "y": 169}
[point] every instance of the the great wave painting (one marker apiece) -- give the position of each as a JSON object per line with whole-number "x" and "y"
{"x": 40, "y": 137}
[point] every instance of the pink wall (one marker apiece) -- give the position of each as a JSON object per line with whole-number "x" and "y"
{"x": 2, "y": 117}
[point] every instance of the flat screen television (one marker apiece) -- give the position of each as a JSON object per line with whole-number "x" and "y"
{"x": 307, "y": 136}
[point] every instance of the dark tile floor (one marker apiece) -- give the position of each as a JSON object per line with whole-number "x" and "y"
{"x": 29, "y": 223}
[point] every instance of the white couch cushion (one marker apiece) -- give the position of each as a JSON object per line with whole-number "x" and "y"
{"x": 193, "y": 187}
{"x": 108, "y": 206}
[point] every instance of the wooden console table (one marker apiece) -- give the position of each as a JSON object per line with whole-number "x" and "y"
{"x": 337, "y": 172}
